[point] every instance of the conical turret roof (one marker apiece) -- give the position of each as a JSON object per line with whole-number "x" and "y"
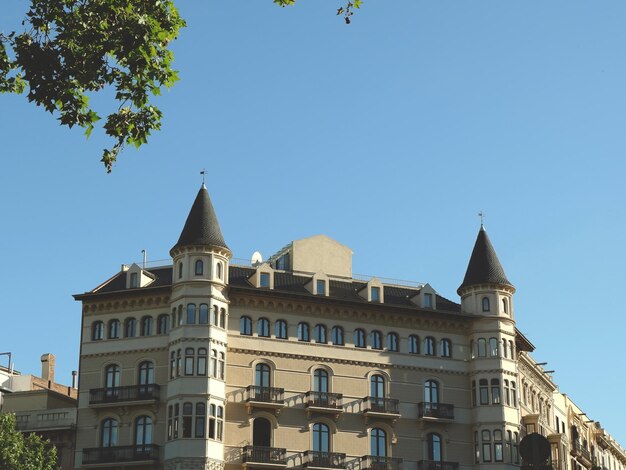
{"x": 201, "y": 227}
{"x": 484, "y": 266}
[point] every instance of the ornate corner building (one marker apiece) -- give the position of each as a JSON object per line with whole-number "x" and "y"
{"x": 294, "y": 362}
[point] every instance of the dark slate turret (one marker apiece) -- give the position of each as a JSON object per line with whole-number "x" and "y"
{"x": 201, "y": 227}
{"x": 484, "y": 266}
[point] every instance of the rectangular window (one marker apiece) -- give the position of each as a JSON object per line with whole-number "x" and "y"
{"x": 265, "y": 280}
{"x": 428, "y": 300}
{"x": 486, "y": 452}
{"x": 134, "y": 282}
{"x": 375, "y": 294}
{"x": 497, "y": 450}
{"x": 321, "y": 287}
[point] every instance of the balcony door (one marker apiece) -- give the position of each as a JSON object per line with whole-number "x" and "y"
{"x": 431, "y": 392}
{"x": 377, "y": 386}
{"x": 261, "y": 433}
{"x": 112, "y": 380}
{"x": 378, "y": 443}
{"x": 434, "y": 447}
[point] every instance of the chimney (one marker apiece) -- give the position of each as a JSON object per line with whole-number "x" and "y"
{"x": 47, "y": 367}
{"x": 74, "y": 374}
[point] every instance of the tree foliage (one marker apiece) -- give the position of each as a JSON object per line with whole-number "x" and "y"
{"x": 18, "y": 452}
{"x": 74, "y": 48}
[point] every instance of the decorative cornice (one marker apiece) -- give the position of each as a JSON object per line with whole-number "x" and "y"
{"x": 125, "y": 304}
{"x": 125, "y": 352}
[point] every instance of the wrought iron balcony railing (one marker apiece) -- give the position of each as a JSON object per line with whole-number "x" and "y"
{"x": 381, "y": 405}
{"x": 435, "y": 410}
{"x": 265, "y": 394}
{"x": 313, "y": 458}
{"x": 117, "y": 454}
{"x": 267, "y": 455}
{"x": 373, "y": 462}
{"x": 324, "y": 399}
{"x": 437, "y": 465}
{"x": 581, "y": 451}
{"x": 121, "y": 394}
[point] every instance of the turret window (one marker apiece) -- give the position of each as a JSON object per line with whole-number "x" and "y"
{"x": 505, "y": 306}
{"x": 203, "y": 317}
{"x": 180, "y": 270}
{"x": 199, "y": 267}
{"x": 220, "y": 270}
{"x": 495, "y": 391}
{"x": 200, "y": 420}
{"x": 486, "y": 304}
{"x": 486, "y": 435}
{"x": 191, "y": 314}
{"x": 483, "y": 389}
{"x": 189, "y": 353}
{"x": 493, "y": 347}
{"x": 202, "y": 362}
{"x": 482, "y": 347}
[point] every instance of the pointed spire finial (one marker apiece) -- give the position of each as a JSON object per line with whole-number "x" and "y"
{"x": 481, "y": 214}
{"x": 202, "y": 173}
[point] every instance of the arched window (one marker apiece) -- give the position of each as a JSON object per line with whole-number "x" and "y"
{"x": 359, "y": 338}
{"x": 220, "y": 270}
{"x": 320, "y": 381}
{"x": 378, "y": 443}
{"x": 163, "y": 324}
{"x": 498, "y": 453}
{"x": 280, "y": 328}
{"x": 189, "y": 360}
{"x": 199, "y": 268}
{"x": 263, "y": 327}
{"x": 337, "y": 336}
{"x": 486, "y": 304}
{"x": 431, "y": 391}
{"x": 201, "y": 364}
{"x": 414, "y": 344}
{"x": 143, "y": 432}
{"x": 495, "y": 391}
{"x": 215, "y": 316}
{"x": 507, "y": 392}
{"x": 473, "y": 393}
{"x": 97, "y": 330}
{"x": 319, "y": 334}
{"x": 493, "y": 347}
{"x": 203, "y": 316}
{"x": 434, "y": 447}
{"x": 262, "y": 375}
{"x": 486, "y": 437}
{"x": 221, "y": 365}
{"x": 172, "y": 364}
{"x": 112, "y": 376}
{"x": 505, "y": 306}
{"x": 146, "y": 373}
{"x": 214, "y": 371}
{"x": 109, "y": 433}
{"x": 377, "y": 386}
{"x": 222, "y": 318}
{"x": 392, "y": 342}
{"x": 130, "y": 328}
{"x": 429, "y": 346}
{"x": 114, "y": 329}
{"x": 445, "y": 347}
{"x": 191, "y": 314}
{"x": 321, "y": 438}
{"x": 505, "y": 350}
{"x": 376, "y": 340}
{"x": 180, "y": 315}
{"x": 200, "y": 420}
{"x": 513, "y": 394}
{"x": 303, "y": 332}
{"x": 245, "y": 326}
{"x": 483, "y": 386}
{"x": 482, "y": 347}
{"x": 261, "y": 432}
{"x": 146, "y": 326}
{"x": 180, "y": 270}
{"x": 187, "y": 419}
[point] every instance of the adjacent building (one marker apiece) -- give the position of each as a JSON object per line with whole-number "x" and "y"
{"x": 296, "y": 362}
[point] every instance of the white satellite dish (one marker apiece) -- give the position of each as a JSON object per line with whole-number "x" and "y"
{"x": 256, "y": 258}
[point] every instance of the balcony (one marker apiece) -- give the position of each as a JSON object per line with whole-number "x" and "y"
{"x": 324, "y": 402}
{"x": 315, "y": 459}
{"x": 119, "y": 454}
{"x": 265, "y": 397}
{"x": 259, "y": 456}
{"x": 436, "y": 465}
{"x": 381, "y": 407}
{"x": 126, "y": 395}
{"x": 372, "y": 462}
{"x": 426, "y": 410}
{"x": 581, "y": 453}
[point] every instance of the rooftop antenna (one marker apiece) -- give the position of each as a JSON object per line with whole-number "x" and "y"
{"x": 202, "y": 173}
{"x": 482, "y": 217}
{"x": 145, "y": 258}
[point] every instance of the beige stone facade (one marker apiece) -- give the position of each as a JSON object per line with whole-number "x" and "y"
{"x": 293, "y": 363}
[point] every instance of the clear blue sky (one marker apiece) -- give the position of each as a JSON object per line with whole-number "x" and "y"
{"x": 389, "y": 135}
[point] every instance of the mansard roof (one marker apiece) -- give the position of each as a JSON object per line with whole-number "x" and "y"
{"x": 484, "y": 266}
{"x": 201, "y": 227}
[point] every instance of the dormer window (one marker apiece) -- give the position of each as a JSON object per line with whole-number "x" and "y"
{"x": 321, "y": 287}
{"x": 428, "y": 300}
{"x": 134, "y": 280}
{"x": 375, "y": 294}
{"x": 199, "y": 268}
{"x": 264, "y": 280}
{"x": 486, "y": 304}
